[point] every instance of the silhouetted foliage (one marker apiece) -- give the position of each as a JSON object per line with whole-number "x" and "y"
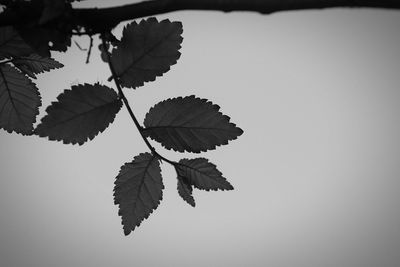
{"x": 189, "y": 124}
{"x": 80, "y": 114}
{"x": 138, "y": 190}
{"x": 202, "y": 174}
{"x": 19, "y": 101}
{"x": 146, "y": 51}
{"x": 11, "y": 44}
{"x": 30, "y": 30}
{"x": 185, "y": 190}
{"x": 35, "y": 64}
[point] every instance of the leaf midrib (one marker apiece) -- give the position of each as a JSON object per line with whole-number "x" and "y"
{"x": 143, "y": 183}
{"x": 80, "y": 114}
{"x": 205, "y": 174}
{"x": 188, "y": 127}
{"x": 9, "y": 94}
{"x": 46, "y": 64}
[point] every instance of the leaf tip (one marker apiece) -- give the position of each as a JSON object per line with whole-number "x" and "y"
{"x": 127, "y": 231}
{"x": 229, "y": 187}
{"x": 240, "y": 131}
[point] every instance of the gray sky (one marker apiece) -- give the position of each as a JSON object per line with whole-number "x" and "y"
{"x": 316, "y": 173}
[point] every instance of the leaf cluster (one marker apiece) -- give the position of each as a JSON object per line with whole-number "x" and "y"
{"x": 147, "y": 50}
{"x": 19, "y": 97}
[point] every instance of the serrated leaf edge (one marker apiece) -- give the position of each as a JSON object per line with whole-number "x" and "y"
{"x": 89, "y": 138}
{"x": 181, "y": 184}
{"x": 216, "y": 108}
{"x": 143, "y": 21}
{"x": 36, "y": 109}
{"x": 153, "y": 157}
{"x": 216, "y": 169}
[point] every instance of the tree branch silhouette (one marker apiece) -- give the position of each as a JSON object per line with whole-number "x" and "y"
{"x": 100, "y": 19}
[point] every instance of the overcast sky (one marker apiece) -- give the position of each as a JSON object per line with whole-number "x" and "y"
{"x": 316, "y": 172}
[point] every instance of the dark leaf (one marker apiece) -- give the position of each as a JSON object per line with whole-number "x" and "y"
{"x": 103, "y": 52}
{"x": 189, "y": 124}
{"x": 80, "y": 114}
{"x": 185, "y": 190}
{"x": 52, "y": 10}
{"x": 19, "y": 101}
{"x": 11, "y": 43}
{"x": 44, "y": 40}
{"x": 202, "y": 174}
{"x": 138, "y": 190}
{"x": 146, "y": 50}
{"x": 35, "y": 64}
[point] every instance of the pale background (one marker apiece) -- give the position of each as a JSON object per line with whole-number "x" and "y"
{"x": 316, "y": 173}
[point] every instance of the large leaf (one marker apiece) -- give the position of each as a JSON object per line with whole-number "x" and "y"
{"x": 80, "y": 114}
{"x": 138, "y": 190}
{"x": 185, "y": 190}
{"x": 189, "y": 124}
{"x": 19, "y": 101}
{"x": 35, "y": 64}
{"x": 11, "y": 44}
{"x": 146, "y": 50}
{"x": 202, "y": 174}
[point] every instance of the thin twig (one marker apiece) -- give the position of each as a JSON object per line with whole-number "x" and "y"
{"x": 128, "y": 107}
{"x": 80, "y": 47}
{"x": 90, "y": 49}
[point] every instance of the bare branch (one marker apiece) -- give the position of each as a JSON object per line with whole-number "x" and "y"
{"x": 99, "y": 20}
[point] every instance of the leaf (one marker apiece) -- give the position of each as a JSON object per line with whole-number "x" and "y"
{"x": 189, "y": 124}
{"x": 19, "y": 101}
{"x": 138, "y": 190}
{"x": 103, "y": 52}
{"x": 44, "y": 40}
{"x": 146, "y": 50}
{"x": 80, "y": 114}
{"x": 202, "y": 174}
{"x": 52, "y": 10}
{"x": 185, "y": 190}
{"x": 11, "y": 43}
{"x": 35, "y": 64}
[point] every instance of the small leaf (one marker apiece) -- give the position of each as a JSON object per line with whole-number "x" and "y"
{"x": 185, "y": 190}
{"x": 11, "y": 43}
{"x": 103, "y": 52}
{"x": 80, "y": 114}
{"x": 35, "y": 64}
{"x": 138, "y": 190}
{"x": 202, "y": 174}
{"x": 146, "y": 50}
{"x": 189, "y": 124}
{"x": 19, "y": 101}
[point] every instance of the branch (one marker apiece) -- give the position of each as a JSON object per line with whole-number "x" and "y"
{"x": 156, "y": 7}
{"x": 128, "y": 107}
{"x": 107, "y": 18}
